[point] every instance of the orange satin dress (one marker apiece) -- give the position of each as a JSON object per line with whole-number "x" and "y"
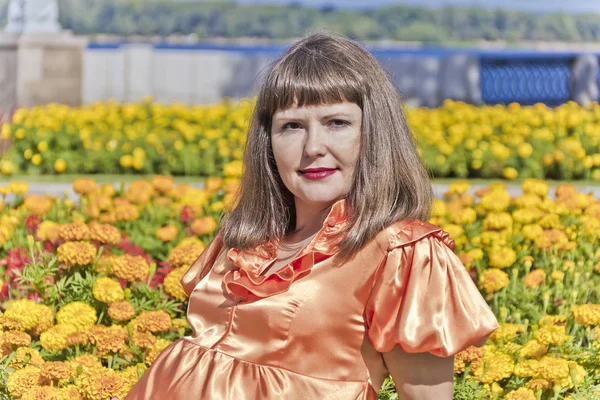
{"x": 315, "y": 329}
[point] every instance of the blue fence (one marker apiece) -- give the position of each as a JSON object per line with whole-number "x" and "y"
{"x": 525, "y": 77}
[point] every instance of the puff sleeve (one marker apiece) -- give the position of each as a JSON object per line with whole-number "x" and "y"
{"x": 423, "y": 299}
{"x": 202, "y": 266}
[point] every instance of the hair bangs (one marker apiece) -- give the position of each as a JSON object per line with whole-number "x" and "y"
{"x": 308, "y": 78}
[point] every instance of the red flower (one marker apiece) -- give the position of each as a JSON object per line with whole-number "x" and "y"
{"x": 32, "y": 223}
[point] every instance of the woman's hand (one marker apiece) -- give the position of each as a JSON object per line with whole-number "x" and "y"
{"x": 420, "y": 376}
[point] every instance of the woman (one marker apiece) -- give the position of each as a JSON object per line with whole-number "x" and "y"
{"x": 324, "y": 277}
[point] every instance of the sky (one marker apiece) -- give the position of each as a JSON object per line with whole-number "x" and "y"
{"x": 535, "y": 6}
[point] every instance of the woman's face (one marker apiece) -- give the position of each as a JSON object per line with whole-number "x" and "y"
{"x": 316, "y": 150}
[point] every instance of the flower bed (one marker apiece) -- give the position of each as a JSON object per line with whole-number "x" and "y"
{"x": 91, "y": 293}
{"x": 456, "y": 140}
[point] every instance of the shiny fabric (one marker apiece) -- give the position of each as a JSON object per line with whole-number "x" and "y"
{"x": 316, "y": 329}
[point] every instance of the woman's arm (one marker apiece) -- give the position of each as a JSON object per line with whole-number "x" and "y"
{"x": 420, "y": 376}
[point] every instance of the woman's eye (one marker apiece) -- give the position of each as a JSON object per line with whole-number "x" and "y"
{"x": 291, "y": 125}
{"x": 339, "y": 123}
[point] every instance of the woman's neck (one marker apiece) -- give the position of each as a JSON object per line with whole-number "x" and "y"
{"x": 309, "y": 220}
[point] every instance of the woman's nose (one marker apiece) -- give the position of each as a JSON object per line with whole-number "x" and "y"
{"x": 315, "y": 143}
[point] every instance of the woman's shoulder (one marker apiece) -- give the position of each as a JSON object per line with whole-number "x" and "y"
{"x": 408, "y": 231}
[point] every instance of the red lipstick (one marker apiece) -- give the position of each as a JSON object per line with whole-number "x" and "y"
{"x": 317, "y": 173}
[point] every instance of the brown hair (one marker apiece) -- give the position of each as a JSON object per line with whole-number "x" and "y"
{"x": 390, "y": 181}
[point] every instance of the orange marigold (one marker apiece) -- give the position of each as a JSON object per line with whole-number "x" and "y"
{"x": 105, "y": 234}
{"x": 153, "y": 321}
{"x": 162, "y": 183}
{"x": 108, "y": 339}
{"x": 130, "y": 268}
{"x": 167, "y": 233}
{"x": 56, "y": 370}
{"x": 74, "y": 232}
{"x": 126, "y": 212}
{"x": 14, "y": 338}
{"x": 84, "y": 186}
{"x": 37, "y": 205}
{"x": 76, "y": 253}
{"x": 121, "y": 311}
{"x": 535, "y": 278}
{"x": 101, "y": 384}
{"x": 143, "y": 339}
{"x": 44, "y": 393}
{"x": 19, "y": 382}
{"x": 184, "y": 255}
{"x": 204, "y": 226}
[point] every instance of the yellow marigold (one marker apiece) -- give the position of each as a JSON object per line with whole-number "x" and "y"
{"x": 48, "y": 230}
{"x": 167, "y": 233}
{"x": 533, "y": 349}
{"x": 153, "y": 321}
{"x": 184, "y": 255}
{"x": 204, "y": 226}
{"x": 458, "y": 187}
{"x": 502, "y": 257}
{"x": 493, "y": 280}
{"x": 557, "y": 276}
{"x": 521, "y": 394}
{"x": 439, "y": 209}
{"x": 586, "y": 314}
{"x": 496, "y": 200}
{"x": 162, "y": 183}
{"x": 77, "y": 313}
{"x": 140, "y": 191}
{"x": 126, "y": 212}
{"x": 532, "y": 232}
{"x": 84, "y": 186}
{"x": 526, "y": 368}
{"x": 19, "y": 382}
{"x": 191, "y": 240}
{"x": 26, "y": 356}
{"x": 497, "y": 221}
{"x": 143, "y": 339}
{"x": 101, "y": 384}
{"x": 559, "y": 320}
{"x": 552, "y": 334}
{"x": 553, "y": 369}
{"x": 121, "y": 311}
{"x": 56, "y": 370}
{"x": 132, "y": 374}
{"x": 173, "y": 286}
{"x": 180, "y": 323}
{"x": 108, "y": 339}
{"x": 15, "y": 338}
{"x": 105, "y": 234}
{"x": 506, "y": 331}
{"x": 525, "y": 216}
{"x": 153, "y": 351}
{"x": 130, "y": 268}
{"x": 74, "y": 232}
{"x": 527, "y": 200}
{"x": 463, "y": 216}
{"x": 535, "y": 278}
{"x": 37, "y": 205}
{"x": 55, "y": 338}
{"x": 539, "y": 384}
{"x": 76, "y": 253}
{"x": 576, "y": 376}
{"x": 494, "y": 367}
{"x": 105, "y": 262}
{"x": 107, "y": 290}
{"x": 30, "y": 315}
{"x": 535, "y": 186}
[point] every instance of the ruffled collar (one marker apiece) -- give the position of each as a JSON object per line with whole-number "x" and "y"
{"x": 246, "y": 281}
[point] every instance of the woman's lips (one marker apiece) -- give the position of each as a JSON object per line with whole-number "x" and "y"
{"x": 317, "y": 173}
